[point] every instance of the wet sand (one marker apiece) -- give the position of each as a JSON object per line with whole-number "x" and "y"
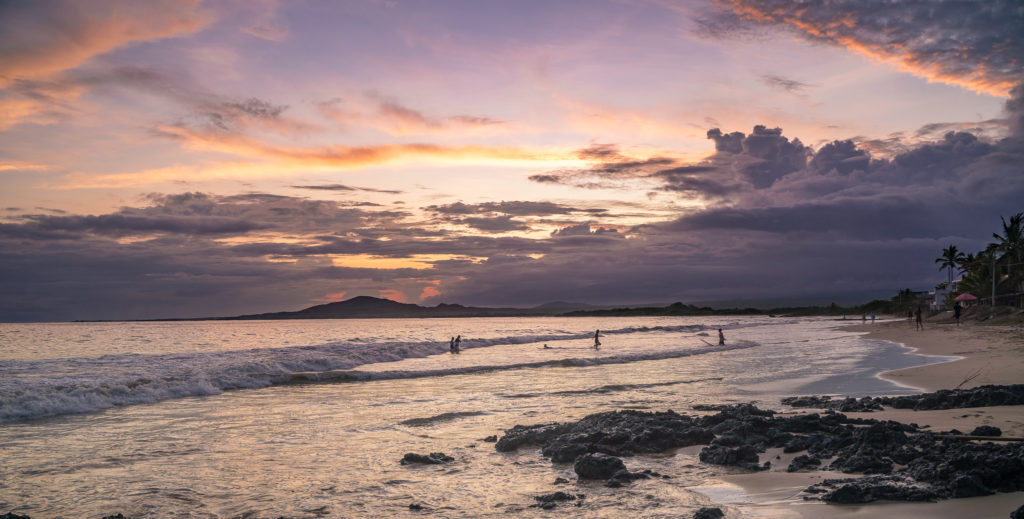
{"x": 988, "y": 355}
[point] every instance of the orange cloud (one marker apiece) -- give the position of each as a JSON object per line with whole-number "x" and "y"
{"x": 332, "y": 297}
{"x": 11, "y": 165}
{"x": 394, "y": 295}
{"x": 906, "y": 42}
{"x": 349, "y": 156}
{"x": 40, "y": 39}
{"x": 429, "y": 292}
{"x": 391, "y": 117}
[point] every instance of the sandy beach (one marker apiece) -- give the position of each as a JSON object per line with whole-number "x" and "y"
{"x": 988, "y": 355}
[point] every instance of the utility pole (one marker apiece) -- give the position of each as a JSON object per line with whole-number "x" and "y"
{"x": 993, "y": 283}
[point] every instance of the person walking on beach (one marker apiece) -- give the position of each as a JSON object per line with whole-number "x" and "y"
{"x": 458, "y": 342}
{"x": 721, "y": 338}
{"x": 917, "y": 319}
{"x": 957, "y": 310}
{"x": 597, "y": 339}
{"x": 872, "y": 318}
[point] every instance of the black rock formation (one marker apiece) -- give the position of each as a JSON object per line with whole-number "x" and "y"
{"x": 982, "y": 396}
{"x": 986, "y": 430}
{"x": 597, "y": 466}
{"x": 434, "y": 458}
{"x": 709, "y": 513}
{"x": 917, "y": 464}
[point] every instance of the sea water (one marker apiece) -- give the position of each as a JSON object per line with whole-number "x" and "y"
{"x": 311, "y": 418}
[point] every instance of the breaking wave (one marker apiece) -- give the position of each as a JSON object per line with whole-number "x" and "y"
{"x": 52, "y": 387}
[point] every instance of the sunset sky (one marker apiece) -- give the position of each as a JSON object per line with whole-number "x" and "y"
{"x": 184, "y": 158}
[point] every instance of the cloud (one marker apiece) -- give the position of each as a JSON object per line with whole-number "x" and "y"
{"x": 781, "y": 83}
{"x": 608, "y": 165}
{"x": 41, "y": 38}
{"x": 342, "y": 187}
{"x": 973, "y": 45}
{"x": 343, "y": 156}
{"x": 515, "y": 208}
{"x": 49, "y": 100}
{"x": 393, "y": 117}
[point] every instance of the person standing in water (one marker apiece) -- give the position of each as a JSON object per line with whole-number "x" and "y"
{"x": 458, "y": 343}
{"x": 597, "y": 341}
{"x": 721, "y": 338}
{"x": 451, "y": 345}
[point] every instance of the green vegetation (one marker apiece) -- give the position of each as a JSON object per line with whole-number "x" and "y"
{"x": 1000, "y": 266}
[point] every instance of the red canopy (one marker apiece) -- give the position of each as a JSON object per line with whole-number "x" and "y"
{"x": 965, "y": 297}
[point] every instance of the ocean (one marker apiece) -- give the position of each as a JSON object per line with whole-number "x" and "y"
{"x": 310, "y": 418}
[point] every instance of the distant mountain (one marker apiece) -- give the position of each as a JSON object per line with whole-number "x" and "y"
{"x": 563, "y": 306}
{"x": 365, "y": 307}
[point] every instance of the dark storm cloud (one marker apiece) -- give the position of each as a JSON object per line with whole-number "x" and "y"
{"x": 881, "y": 218}
{"x": 493, "y": 224}
{"x": 120, "y": 224}
{"x": 973, "y": 44}
{"x": 833, "y": 222}
{"x": 841, "y": 156}
{"x": 696, "y": 180}
{"x": 762, "y": 157}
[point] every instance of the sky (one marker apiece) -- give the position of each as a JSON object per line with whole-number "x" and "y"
{"x": 187, "y": 158}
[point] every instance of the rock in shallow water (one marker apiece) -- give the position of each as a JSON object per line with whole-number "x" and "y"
{"x": 709, "y": 513}
{"x": 434, "y": 458}
{"x": 597, "y": 466}
{"x": 923, "y": 465}
{"x": 873, "y": 488}
{"x": 986, "y": 430}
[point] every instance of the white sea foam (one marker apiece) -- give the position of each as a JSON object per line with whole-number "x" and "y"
{"x": 41, "y": 388}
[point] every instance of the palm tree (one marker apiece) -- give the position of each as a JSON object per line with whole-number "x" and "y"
{"x": 1011, "y": 245}
{"x": 978, "y": 279}
{"x": 950, "y": 259}
{"x": 967, "y": 263}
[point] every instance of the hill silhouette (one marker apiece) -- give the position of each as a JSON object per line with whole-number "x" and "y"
{"x": 375, "y": 307}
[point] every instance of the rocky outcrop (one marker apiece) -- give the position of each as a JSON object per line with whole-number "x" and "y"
{"x": 986, "y": 430}
{"x": 902, "y": 462}
{"x": 872, "y": 488}
{"x": 803, "y": 462}
{"x": 597, "y": 466}
{"x": 982, "y": 396}
{"x": 709, "y": 513}
{"x": 549, "y": 501}
{"x": 434, "y": 458}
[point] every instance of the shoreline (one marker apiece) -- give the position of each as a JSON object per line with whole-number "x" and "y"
{"x": 984, "y": 355}
{"x": 987, "y": 354}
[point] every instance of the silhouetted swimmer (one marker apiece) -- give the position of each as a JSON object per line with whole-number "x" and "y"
{"x": 721, "y": 338}
{"x": 546, "y": 347}
{"x": 597, "y": 336}
{"x": 458, "y": 343}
